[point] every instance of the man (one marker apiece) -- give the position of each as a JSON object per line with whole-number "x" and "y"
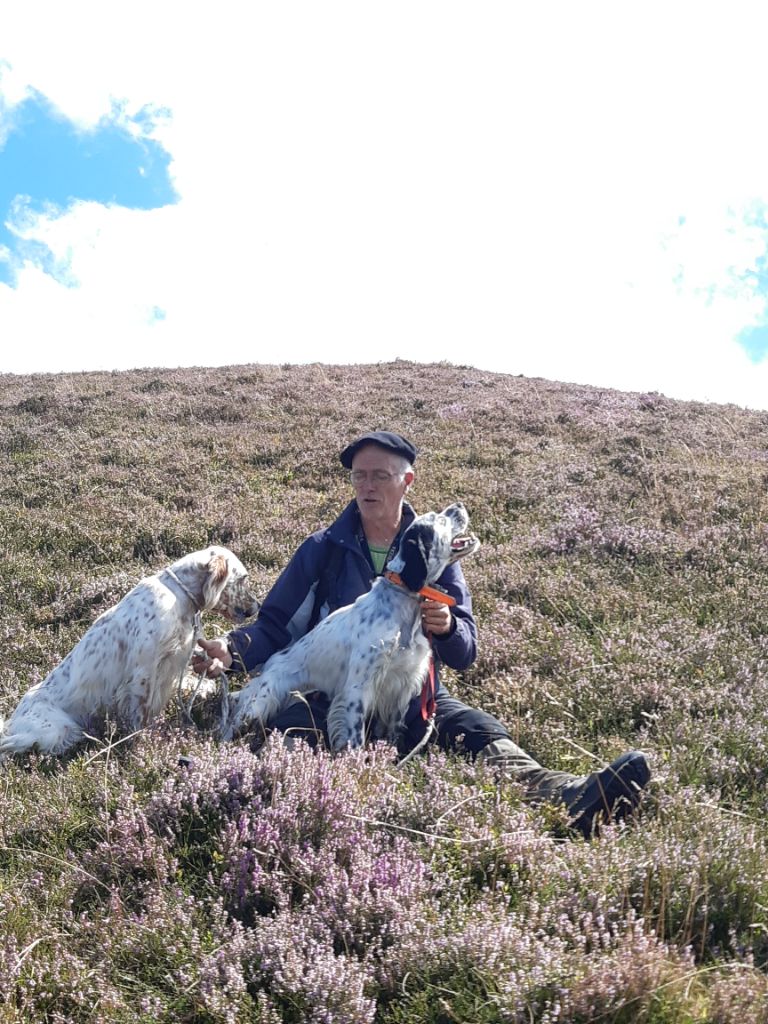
{"x": 334, "y": 566}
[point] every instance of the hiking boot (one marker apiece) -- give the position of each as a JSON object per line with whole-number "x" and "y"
{"x": 607, "y": 795}
{"x": 590, "y": 800}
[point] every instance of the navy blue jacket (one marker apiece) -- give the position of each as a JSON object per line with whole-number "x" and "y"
{"x": 288, "y": 611}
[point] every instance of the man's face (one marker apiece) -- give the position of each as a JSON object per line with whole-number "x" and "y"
{"x": 379, "y": 483}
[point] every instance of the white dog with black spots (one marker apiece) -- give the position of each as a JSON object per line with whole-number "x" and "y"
{"x": 127, "y": 663}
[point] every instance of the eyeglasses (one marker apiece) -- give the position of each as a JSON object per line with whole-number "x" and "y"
{"x": 378, "y": 476}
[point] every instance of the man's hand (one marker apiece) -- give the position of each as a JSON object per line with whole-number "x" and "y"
{"x": 214, "y": 660}
{"x": 436, "y": 618}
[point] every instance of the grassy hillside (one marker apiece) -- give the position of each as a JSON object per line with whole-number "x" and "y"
{"x": 620, "y": 594}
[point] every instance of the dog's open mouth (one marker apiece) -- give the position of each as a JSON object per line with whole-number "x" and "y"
{"x": 464, "y": 545}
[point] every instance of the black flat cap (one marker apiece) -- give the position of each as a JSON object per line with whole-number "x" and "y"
{"x": 385, "y": 439}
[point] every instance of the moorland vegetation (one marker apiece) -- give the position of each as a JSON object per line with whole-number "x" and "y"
{"x": 621, "y": 595}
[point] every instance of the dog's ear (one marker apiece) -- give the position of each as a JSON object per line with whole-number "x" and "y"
{"x": 414, "y": 554}
{"x": 216, "y": 573}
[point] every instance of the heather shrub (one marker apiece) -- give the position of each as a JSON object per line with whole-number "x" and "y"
{"x": 738, "y": 995}
{"x": 538, "y": 966}
{"x": 620, "y": 595}
{"x": 706, "y": 878}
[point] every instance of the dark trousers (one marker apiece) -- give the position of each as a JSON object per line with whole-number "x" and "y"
{"x": 457, "y": 726}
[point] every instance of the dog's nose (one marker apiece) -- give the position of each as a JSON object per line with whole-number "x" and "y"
{"x": 249, "y": 612}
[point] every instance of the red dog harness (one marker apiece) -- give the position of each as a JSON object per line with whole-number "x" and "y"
{"x": 428, "y": 703}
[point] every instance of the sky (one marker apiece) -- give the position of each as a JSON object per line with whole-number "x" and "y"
{"x": 571, "y": 191}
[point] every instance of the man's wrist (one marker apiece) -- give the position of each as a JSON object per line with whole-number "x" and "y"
{"x": 449, "y": 632}
{"x": 235, "y": 658}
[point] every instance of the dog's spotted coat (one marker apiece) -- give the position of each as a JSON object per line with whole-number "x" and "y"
{"x": 371, "y": 657}
{"x": 126, "y": 665}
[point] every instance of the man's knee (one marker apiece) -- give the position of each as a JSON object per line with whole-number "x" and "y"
{"x": 468, "y": 729}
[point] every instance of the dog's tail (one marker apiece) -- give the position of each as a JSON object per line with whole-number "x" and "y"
{"x": 7, "y": 743}
{"x": 55, "y": 734}
{"x": 3, "y": 754}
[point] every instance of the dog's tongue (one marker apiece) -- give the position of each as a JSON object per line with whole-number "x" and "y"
{"x": 459, "y": 543}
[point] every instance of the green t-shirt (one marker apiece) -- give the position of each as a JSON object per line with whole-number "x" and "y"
{"x": 378, "y": 557}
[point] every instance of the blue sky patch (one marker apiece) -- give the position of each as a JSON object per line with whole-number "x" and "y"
{"x": 48, "y": 162}
{"x": 755, "y": 341}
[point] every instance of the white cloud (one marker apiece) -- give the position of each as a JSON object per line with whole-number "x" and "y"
{"x": 492, "y": 186}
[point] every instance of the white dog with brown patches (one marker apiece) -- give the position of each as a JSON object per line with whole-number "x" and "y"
{"x": 371, "y": 658}
{"x": 127, "y": 663}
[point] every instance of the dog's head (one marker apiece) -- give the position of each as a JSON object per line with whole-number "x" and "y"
{"x": 221, "y": 581}
{"x": 431, "y": 543}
